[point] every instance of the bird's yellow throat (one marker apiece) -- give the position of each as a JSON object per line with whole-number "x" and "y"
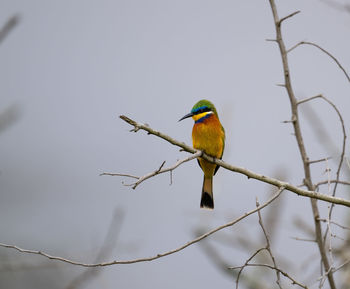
{"x": 199, "y": 116}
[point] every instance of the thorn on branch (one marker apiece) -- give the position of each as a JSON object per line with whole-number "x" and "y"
{"x": 281, "y": 85}
{"x": 319, "y": 160}
{"x": 289, "y": 121}
{"x": 157, "y": 171}
{"x": 309, "y": 98}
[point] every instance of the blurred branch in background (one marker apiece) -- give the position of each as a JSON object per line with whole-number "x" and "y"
{"x": 8, "y": 117}
{"x": 105, "y": 250}
{"x": 160, "y": 255}
{"x": 8, "y": 27}
{"x": 343, "y": 7}
{"x": 12, "y": 113}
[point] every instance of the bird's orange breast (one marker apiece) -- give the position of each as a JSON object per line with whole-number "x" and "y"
{"x": 208, "y": 136}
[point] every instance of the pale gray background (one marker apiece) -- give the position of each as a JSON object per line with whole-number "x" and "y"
{"x": 70, "y": 68}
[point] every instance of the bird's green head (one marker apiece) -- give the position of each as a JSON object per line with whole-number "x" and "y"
{"x": 201, "y": 109}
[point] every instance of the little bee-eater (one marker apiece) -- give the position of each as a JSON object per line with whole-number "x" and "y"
{"x": 208, "y": 135}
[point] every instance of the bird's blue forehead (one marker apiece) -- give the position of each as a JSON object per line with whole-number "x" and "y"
{"x": 194, "y": 110}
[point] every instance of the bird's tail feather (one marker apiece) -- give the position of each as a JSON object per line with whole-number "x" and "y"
{"x": 207, "y": 200}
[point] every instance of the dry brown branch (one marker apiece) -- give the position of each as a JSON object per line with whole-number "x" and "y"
{"x": 159, "y": 171}
{"x": 324, "y": 51}
{"x": 272, "y": 181}
{"x": 288, "y": 16}
{"x": 146, "y": 259}
{"x": 300, "y": 141}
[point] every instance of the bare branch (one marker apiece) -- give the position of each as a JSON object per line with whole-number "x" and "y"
{"x": 288, "y": 16}
{"x": 248, "y": 173}
{"x": 300, "y": 142}
{"x": 119, "y": 175}
{"x": 320, "y": 160}
{"x": 324, "y": 51}
{"x": 146, "y": 259}
{"x": 308, "y": 99}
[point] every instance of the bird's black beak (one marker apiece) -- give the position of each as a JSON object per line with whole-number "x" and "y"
{"x": 186, "y": 116}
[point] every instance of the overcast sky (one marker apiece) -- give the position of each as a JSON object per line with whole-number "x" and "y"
{"x": 70, "y": 68}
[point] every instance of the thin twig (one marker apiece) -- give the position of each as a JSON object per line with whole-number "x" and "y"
{"x": 146, "y": 259}
{"x": 332, "y": 182}
{"x": 309, "y": 98}
{"x": 320, "y": 160}
{"x": 288, "y": 16}
{"x": 335, "y": 223}
{"x": 268, "y": 247}
{"x": 304, "y": 239}
{"x": 241, "y": 268}
{"x": 119, "y": 175}
{"x": 159, "y": 171}
{"x": 294, "y": 282}
{"x": 324, "y": 51}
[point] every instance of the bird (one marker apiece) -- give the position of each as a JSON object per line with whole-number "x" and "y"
{"x": 208, "y": 135}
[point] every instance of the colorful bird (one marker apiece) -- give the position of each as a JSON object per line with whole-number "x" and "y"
{"x": 208, "y": 135}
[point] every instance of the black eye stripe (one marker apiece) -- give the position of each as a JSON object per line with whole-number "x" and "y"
{"x": 204, "y": 110}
